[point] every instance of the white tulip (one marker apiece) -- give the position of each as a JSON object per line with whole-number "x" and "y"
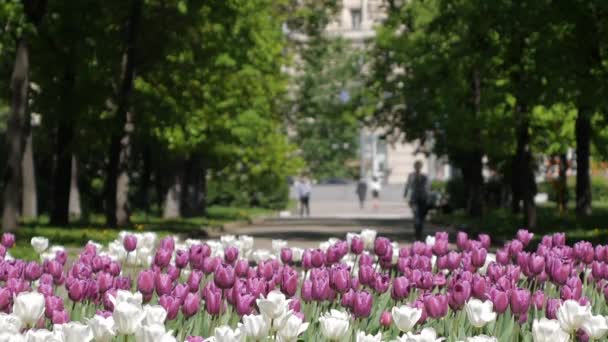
{"x": 571, "y": 315}
{"x": 482, "y": 338}
{"x": 42, "y": 335}
{"x": 296, "y": 254}
{"x": 102, "y": 328}
{"x": 274, "y": 305}
{"x": 479, "y": 313}
{"x": 127, "y": 317}
{"x": 123, "y": 296}
{"x": 40, "y": 244}
{"x": 548, "y": 330}
{"x": 292, "y": 328}
{"x": 255, "y": 327}
{"x": 225, "y": 334}
{"x": 334, "y": 324}
{"x": 148, "y": 240}
{"x": 430, "y": 240}
{"x": 405, "y": 317}
{"x": 277, "y": 245}
{"x": 369, "y": 237}
{"x": 29, "y": 307}
{"x": 363, "y": 337}
{"x": 11, "y": 337}
{"x": 426, "y": 335}
{"x": 76, "y": 332}
{"x": 153, "y": 333}
{"x": 155, "y": 314}
{"x": 10, "y": 323}
{"x": 595, "y": 326}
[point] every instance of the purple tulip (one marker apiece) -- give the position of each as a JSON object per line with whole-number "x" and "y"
{"x": 77, "y": 290}
{"x": 538, "y": 300}
{"x": 224, "y": 276}
{"x": 5, "y": 298}
{"x": 320, "y": 289}
{"x": 453, "y": 261}
{"x": 167, "y": 243}
{"x": 560, "y": 271}
{"x": 348, "y": 299}
{"x": 295, "y": 305}
{"x": 162, "y": 258}
{"x": 440, "y": 247}
{"x": 130, "y": 243}
{"x": 386, "y": 319}
{"x": 536, "y": 264}
{"x": 33, "y": 271}
{"x": 478, "y": 257}
{"x": 8, "y": 240}
{"x": 317, "y": 258}
{"x": 584, "y": 252}
{"x": 500, "y": 299}
{"x": 241, "y": 268}
{"x": 194, "y": 339}
{"x": 244, "y": 304}
{"x": 289, "y": 282}
{"x": 196, "y": 257}
{"x": 104, "y": 281}
{"x": 194, "y": 280}
{"x": 171, "y": 305}
{"x": 382, "y": 282}
{"x": 265, "y": 270}
{"x": 163, "y": 284}
{"x": 524, "y": 237}
{"x": 306, "y": 292}
{"x": 520, "y": 301}
{"x": 559, "y": 239}
{"x": 436, "y": 305}
{"x": 182, "y": 258}
{"x": 400, "y": 288}
{"x": 231, "y": 254}
{"x": 366, "y": 275}
{"x": 502, "y": 257}
{"x": 60, "y": 317}
{"x": 552, "y": 305}
{"x": 462, "y": 241}
{"x": 52, "y": 304}
{"x": 213, "y": 302}
{"x": 362, "y": 304}
{"x": 180, "y": 291}
{"x": 356, "y": 245}
{"x": 286, "y": 255}
{"x": 459, "y": 294}
{"x": 192, "y": 304}
{"x": 381, "y": 246}
{"x": 340, "y": 279}
{"x": 479, "y": 287}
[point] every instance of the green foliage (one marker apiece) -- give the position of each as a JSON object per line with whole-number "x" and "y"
{"x": 329, "y": 103}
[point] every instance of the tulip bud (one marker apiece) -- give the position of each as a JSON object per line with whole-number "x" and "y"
{"x": 191, "y": 305}
{"x": 436, "y": 305}
{"x": 520, "y": 301}
{"x": 400, "y": 288}
{"x": 385, "y": 319}
{"x": 181, "y": 258}
{"x": 286, "y": 255}
{"x": 130, "y": 243}
{"x": 145, "y": 282}
{"x": 231, "y": 254}
{"x": 357, "y": 245}
{"x": 8, "y": 240}
{"x": 362, "y": 304}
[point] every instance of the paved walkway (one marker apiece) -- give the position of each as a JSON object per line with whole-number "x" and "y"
{"x": 334, "y": 213}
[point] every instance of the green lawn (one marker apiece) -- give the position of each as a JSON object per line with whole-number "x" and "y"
{"x": 78, "y": 233}
{"x": 502, "y": 225}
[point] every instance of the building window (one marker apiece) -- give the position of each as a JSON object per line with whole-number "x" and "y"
{"x": 355, "y": 16}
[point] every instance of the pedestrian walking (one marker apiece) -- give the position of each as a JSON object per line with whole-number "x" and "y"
{"x": 361, "y": 192}
{"x": 376, "y": 187}
{"x": 303, "y": 189}
{"x": 418, "y": 188}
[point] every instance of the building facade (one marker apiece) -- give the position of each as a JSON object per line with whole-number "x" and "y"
{"x": 386, "y": 157}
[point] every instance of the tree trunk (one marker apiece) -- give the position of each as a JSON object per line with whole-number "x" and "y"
{"x": 525, "y": 169}
{"x": 62, "y": 177}
{"x": 75, "y": 209}
{"x": 29, "y": 199}
{"x": 18, "y": 125}
{"x": 472, "y": 173}
{"x": 144, "y": 188}
{"x": 117, "y": 177}
{"x": 583, "y": 172}
{"x": 563, "y": 182}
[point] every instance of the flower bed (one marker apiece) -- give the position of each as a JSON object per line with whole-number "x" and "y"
{"x": 362, "y": 289}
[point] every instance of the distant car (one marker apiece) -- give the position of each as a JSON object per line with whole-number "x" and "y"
{"x": 335, "y": 180}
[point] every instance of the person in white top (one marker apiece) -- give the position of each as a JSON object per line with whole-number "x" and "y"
{"x": 303, "y": 189}
{"x": 375, "y": 187}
